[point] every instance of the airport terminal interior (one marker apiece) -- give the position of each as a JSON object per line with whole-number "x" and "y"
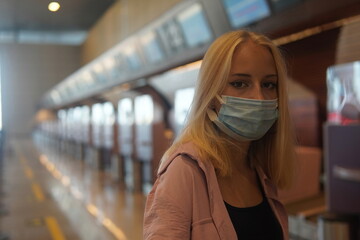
{"x": 92, "y": 93}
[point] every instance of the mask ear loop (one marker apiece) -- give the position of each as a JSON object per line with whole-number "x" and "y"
{"x": 221, "y": 100}
{"x": 214, "y": 118}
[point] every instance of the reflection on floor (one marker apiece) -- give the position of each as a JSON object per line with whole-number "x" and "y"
{"x": 50, "y": 196}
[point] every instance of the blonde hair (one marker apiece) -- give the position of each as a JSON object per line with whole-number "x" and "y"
{"x": 274, "y": 152}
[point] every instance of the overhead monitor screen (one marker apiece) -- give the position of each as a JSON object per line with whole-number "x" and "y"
{"x": 194, "y": 25}
{"x": 151, "y": 47}
{"x": 245, "y": 12}
{"x": 131, "y": 56}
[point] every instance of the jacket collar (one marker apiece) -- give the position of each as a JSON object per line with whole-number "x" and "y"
{"x": 269, "y": 188}
{"x": 187, "y": 149}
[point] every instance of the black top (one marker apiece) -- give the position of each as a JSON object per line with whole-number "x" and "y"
{"x": 254, "y": 223}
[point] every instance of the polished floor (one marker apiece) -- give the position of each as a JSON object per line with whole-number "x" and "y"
{"x": 50, "y": 196}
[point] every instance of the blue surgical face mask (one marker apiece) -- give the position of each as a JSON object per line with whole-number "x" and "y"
{"x": 245, "y": 119}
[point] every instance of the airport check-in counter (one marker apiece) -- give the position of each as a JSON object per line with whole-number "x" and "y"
{"x": 52, "y": 132}
{"x": 153, "y": 131}
{"x": 108, "y": 136}
{"x": 151, "y": 137}
{"x": 126, "y": 143}
{"x": 144, "y": 120}
{"x": 74, "y": 132}
{"x": 62, "y": 129}
{"x": 342, "y": 167}
{"x": 342, "y": 154}
{"x": 102, "y": 131}
{"x": 342, "y": 171}
{"x": 48, "y": 131}
{"x": 109, "y": 120}
{"x": 342, "y": 183}
{"x": 97, "y": 123}
{"x": 84, "y": 135}
{"x": 71, "y": 132}
{"x": 342, "y": 138}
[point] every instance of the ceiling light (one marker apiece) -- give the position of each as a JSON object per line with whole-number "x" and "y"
{"x": 54, "y": 6}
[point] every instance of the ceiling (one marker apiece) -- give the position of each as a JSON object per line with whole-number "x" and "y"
{"x": 33, "y": 15}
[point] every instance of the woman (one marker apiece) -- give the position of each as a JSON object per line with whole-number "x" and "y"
{"x": 219, "y": 179}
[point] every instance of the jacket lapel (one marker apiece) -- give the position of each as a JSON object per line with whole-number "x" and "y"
{"x": 271, "y": 194}
{"x": 219, "y": 212}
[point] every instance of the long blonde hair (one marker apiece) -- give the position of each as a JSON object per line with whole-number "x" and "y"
{"x": 274, "y": 152}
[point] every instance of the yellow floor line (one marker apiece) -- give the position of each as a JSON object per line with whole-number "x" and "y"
{"x": 114, "y": 229}
{"x": 92, "y": 209}
{"x": 38, "y": 192}
{"x": 54, "y": 228}
{"x": 22, "y": 159}
{"x": 29, "y": 173}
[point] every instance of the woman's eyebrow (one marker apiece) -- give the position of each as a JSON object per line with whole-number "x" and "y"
{"x": 241, "y": 75}
{"x": 271, "y": 76}
{"x": 248, "y": 75}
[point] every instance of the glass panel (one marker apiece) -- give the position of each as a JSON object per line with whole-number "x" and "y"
{"x": 109, "y": 113}
{"x": 97, "y": 118}
{"x": 85, "y": 118}
{"x": 144, "y": 114}
{"x": 183, "y": 100}
{"x": 343, "y": 101}
{"x": 109, "y": 120}
{"x": 125, "y": 112}
{"x": 77, "y": 123}
{"x": 144, "y": 110}
{"x": 126, "y": 120}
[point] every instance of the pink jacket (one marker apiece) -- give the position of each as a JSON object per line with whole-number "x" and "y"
{"x": 186, "y": 202}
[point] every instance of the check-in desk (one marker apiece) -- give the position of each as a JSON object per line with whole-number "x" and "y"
{"x": 126, "y": 160}
{"x": 342, "y": 167}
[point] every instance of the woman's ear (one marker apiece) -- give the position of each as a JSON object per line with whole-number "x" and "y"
{"x": 212, "y": 104}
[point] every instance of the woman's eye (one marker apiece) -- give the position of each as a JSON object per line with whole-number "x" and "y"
{"x": 238, "y": 84}
{"x": 270, "y": 85}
